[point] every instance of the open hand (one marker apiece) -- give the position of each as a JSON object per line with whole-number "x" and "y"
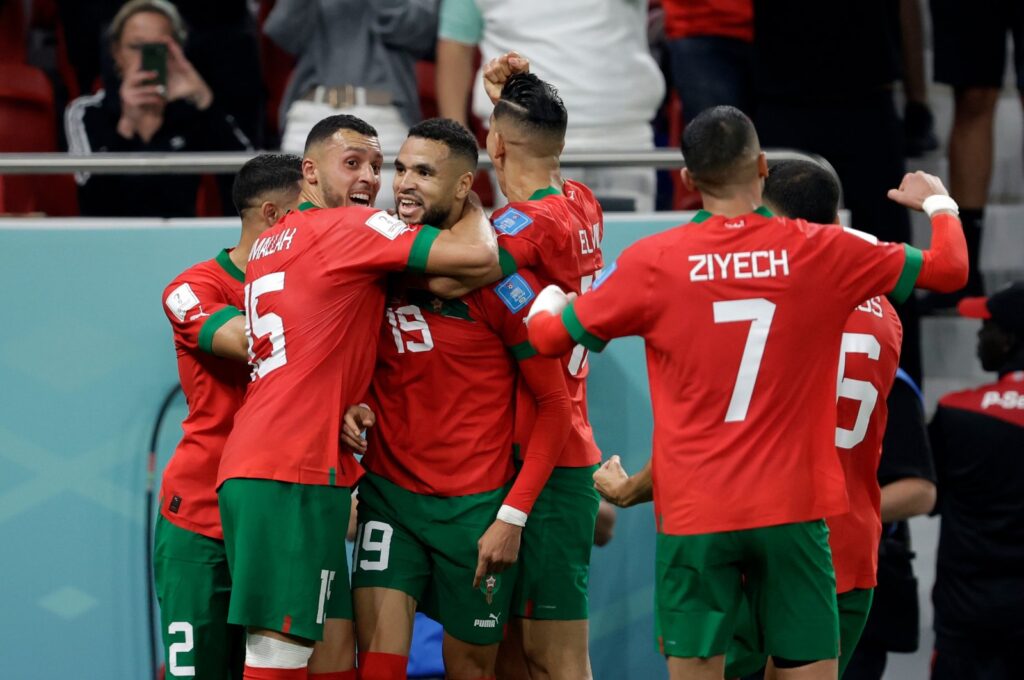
{"x": 183, "y": 80}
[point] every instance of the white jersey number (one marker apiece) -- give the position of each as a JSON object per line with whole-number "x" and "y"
{"x": 365, "y": 542}
{"x": 258, "y": 325}
{"x": 760, "y": 312}
{"x": 578, "y": 358}
{"x": 184, "y": 647}
{"x": 858, "y": 390}
{"x": 410, "y": 319}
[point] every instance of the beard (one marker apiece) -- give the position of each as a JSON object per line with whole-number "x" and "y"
{"x": 436, "y": 215}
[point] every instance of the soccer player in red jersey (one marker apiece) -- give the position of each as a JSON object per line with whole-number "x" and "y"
{"x": 314, "y": 297}
{"x": 553, "y": 227}
{"x": 742, "y": 350}
{"x": 204, "y": 305}
{"x": 440, "y": 517}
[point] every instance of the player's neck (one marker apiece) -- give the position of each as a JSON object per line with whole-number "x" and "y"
{"x": 240, "y": 255}
{"x": 739, "y": 203}
{"x": 310, "y": 194}
{"x": 524, "y": 177}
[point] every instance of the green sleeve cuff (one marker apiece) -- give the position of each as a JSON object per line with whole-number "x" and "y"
{"x": 580, "y": 334}
{"x": 213, "y": 324}
{"x": 912, "y": 262}
{"x": 507, "y": 262}
{"x": 522, "y": 351}
{"x": 421, "y": 248}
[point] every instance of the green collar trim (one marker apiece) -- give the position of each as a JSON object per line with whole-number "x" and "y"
{"x": 703, "y": 215}
{"x": 544, "y": 193}
{"x": 306, "y": 205}
{"x": 224, "y": 260}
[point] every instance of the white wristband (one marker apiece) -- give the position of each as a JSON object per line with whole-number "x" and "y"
{"x": 509, "y": 515}
{"x": 937, "y": 202}
{"x": 551, "y": 300}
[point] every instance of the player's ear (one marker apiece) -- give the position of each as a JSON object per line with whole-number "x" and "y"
{"x": 270, "y": 213}
{"x": 309, "y": 170}
{"x": 465, "y": 185}
{"x": 762, "y": 164}
{"x": 687, "y": 179}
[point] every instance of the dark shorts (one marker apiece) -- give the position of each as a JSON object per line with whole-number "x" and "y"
{"x": 970, "y": 41}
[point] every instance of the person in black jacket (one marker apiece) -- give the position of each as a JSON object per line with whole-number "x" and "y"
{"x": 134, "y": 114}
{"x": 977, "y": 437}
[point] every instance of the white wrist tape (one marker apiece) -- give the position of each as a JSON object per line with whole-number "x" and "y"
{"x": 509, "y": 515}
{"x": 937, "y": 202}
{"x": 267, "y": 652}
{"x": 551, "y": 300}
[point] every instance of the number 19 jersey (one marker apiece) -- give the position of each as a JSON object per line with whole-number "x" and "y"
{"x": 742, "y": 320}
{"x": 314, "y": 297}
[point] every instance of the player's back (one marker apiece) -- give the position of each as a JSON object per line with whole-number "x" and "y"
{"x": 558, "y": 236}
{"x": 443, "y": 387}
{"x": 314, "y": 297}
{"x": 742, "y": 319}
{"x": 868, "y": 361}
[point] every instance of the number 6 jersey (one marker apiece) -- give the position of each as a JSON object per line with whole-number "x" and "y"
{"x": 742, "y": 320}
{"x": 314, "y": 296}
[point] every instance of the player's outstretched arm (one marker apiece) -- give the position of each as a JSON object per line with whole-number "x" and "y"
{"x": 449, "y": 288}
{"x": 548, "y": 334}
{"x": 468, "y": 249}
{"x": 944, "y": 266}
{"x": 230, "y": 342}
{"x": 618, "y": 488}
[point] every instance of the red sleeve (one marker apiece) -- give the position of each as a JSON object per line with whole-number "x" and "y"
{"x": 944, "y": 266}
{"x": 374, "y": 241}
{"x": 550, "y": 430}
{"x": 549, "y": 336}
{"x": 196, "y": 309}
{"x": 524, "y": 237}
{"x": 620, "y": 301}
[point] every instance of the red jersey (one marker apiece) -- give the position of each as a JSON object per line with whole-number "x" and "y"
{"x": 868, "y": 359}
{"x": 314, "y": 296}
{"x": 197, "y": 303}
{"x": 742, "y": 320}
{"x": 558, "y": 236}
{"x": 723, "y": 18}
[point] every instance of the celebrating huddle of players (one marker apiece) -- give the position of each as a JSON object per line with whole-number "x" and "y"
{"x": 450, "y": 339}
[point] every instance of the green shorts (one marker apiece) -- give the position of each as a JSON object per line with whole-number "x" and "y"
{"x": 554, "y": 571}
{"x": 700, "y": 587}
{"x": 193, "y": 587}
{"x": 746, "y": 655}
{"x": 286, "y": 548}
{"x": 426, "y": 546}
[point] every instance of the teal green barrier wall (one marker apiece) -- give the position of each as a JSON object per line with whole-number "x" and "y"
{"x": 85, "y": 359}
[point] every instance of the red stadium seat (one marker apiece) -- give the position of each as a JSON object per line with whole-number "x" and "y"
{"x": 13, "y": 32}
{"x": 27, "y": 124}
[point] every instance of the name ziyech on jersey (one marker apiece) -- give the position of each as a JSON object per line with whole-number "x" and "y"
{"x": 757, "y": 264}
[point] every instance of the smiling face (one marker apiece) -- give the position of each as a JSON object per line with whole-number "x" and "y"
{"x": 429, "y": 184}
{"x": 346, "y": 167}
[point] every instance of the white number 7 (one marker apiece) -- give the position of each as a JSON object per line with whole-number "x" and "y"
{"x": 760, "y": 312}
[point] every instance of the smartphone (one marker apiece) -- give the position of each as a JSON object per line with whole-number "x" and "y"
{"x": 154, "y": 58}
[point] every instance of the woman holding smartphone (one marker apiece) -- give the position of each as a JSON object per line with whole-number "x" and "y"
{"x": 159, "y": 103}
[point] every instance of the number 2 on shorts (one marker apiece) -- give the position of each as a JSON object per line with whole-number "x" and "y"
{"x": 184, "y": 647}
{"x": 759, "y": 312}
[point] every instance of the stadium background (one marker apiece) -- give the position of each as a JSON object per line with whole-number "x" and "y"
{"x": 85, "y": 361}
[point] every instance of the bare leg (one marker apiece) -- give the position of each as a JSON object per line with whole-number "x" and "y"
{"x": 557, "y": 650}
{"x": 384, "y": 619}
{"x": 970, "y": 146}
{"x": 463, "y": 661}
{"x": 696, "y": 669}
{"x": 337, "y": 651}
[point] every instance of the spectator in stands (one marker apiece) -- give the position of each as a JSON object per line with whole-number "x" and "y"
{"x": 135, "y": 115}
{"x": 918, "y": 122}
{"x": 594, "y": 51}
{"x": 977, "y": 436}
{"x": 711, "y": 43}
{"x": 839, "y": 104}
{"x": 356, "y": 57}
{"x": 907, "y": 477}
{"x": 970, "y": 55}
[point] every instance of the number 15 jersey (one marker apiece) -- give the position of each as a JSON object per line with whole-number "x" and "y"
{"x": 742, "y": 320}
{"x": 314, "y": 297}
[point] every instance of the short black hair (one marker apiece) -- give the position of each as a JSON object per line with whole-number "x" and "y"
{"x": 533, "y": 103}
{"x": 454, "y": 135}
{"x": 263, "y": 174}
{"x": 802, "y": 190}
{"x": 716, "y": 142}
{"x": 326, "y": 128}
